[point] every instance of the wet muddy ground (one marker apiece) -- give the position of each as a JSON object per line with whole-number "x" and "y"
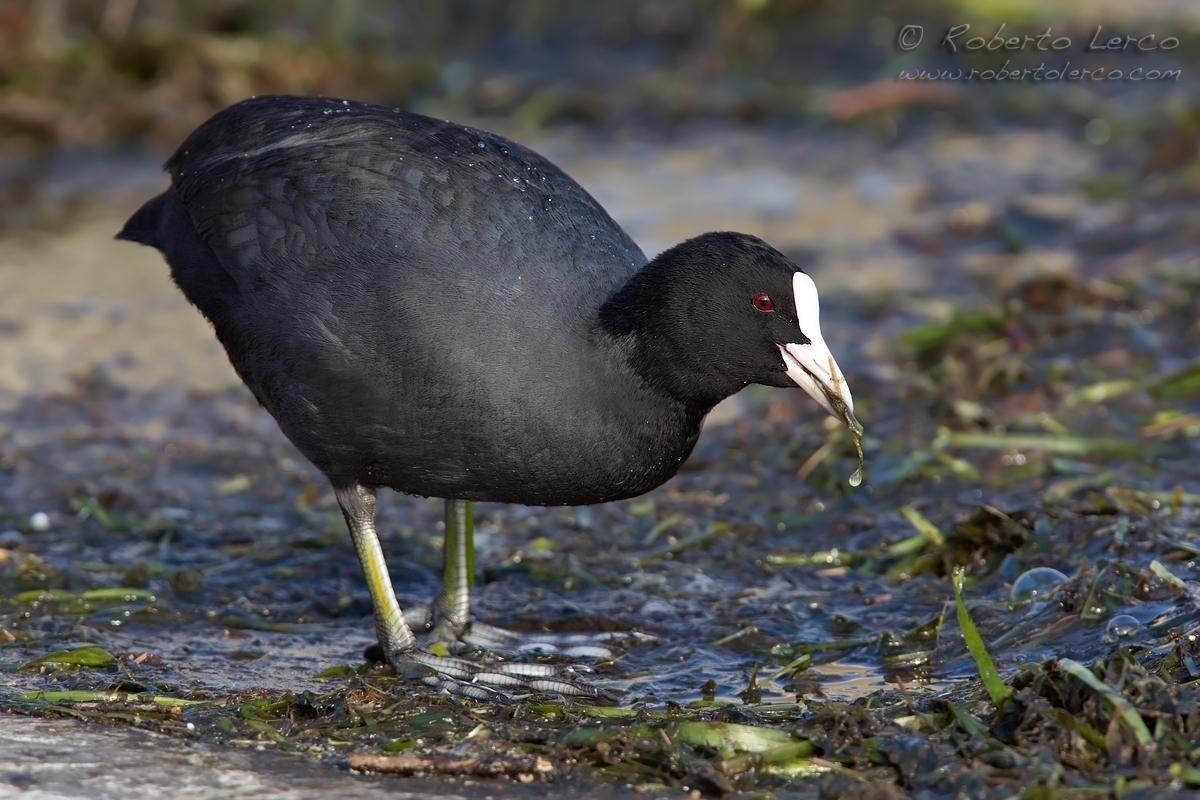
{"x": 1017, "y": 312}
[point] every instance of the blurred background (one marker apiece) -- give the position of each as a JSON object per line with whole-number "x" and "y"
{"x": 1009, "y": 269}
{"x": 118, "y": 78}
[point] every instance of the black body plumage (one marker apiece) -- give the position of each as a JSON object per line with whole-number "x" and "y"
{"x": 436, "y": 309}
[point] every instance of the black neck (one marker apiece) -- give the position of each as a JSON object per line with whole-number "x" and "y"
{"x": 648, "y": 314}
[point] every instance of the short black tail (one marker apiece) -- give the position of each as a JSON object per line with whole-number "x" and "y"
{"x": 145, "y": 226}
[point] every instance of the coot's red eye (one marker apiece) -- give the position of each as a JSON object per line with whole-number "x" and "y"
{"x": 763, "y": 302}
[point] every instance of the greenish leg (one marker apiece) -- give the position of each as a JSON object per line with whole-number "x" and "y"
{"x": 453, "y": 675}
{"x": 452, "y": 611}
{"x": 358, "y": 507}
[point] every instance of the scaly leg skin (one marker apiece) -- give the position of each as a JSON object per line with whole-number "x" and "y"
{"x": 358, "y": 508}
{"x": 451, "y": 621}
{"x": 452, "y": 608}
{"x": 399, "y": 645}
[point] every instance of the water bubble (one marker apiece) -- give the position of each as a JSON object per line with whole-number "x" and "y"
{"x": 1035, "y": 585}
{"x": 1123, "y": 626}
{"x": 856, "y": 478}
{"x": 39, "y": 521}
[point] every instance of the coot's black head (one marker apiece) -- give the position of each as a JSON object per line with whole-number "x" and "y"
{"x": 721, "y": 311}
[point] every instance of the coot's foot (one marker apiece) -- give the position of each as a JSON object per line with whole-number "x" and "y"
{"x": 398, "y": 644}
{"x": 599, "y": 646}
{"x": 491, "y": 680}
{"x": 451, "y": 625}
{"x": 472, "y": 633}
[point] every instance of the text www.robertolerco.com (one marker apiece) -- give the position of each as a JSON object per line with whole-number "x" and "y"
{"x": 1042, "y": 72}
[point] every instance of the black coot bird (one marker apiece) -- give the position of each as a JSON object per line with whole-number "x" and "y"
{"x": 438, "y": 310}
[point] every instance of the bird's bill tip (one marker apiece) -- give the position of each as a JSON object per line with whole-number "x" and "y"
{"x": 812, "y": 367}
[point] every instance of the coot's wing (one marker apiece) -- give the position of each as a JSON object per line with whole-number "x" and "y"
{"x": 377, "y": 270}
{"x": 277, "y": 185}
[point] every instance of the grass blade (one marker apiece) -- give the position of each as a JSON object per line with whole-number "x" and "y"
{"x": 927, "y": 533}
{"x": 996, "y": 688}
{"x": 1125, "y": 711}
{"x": 88, "y": 656}
{"x": 85, "y": 696}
